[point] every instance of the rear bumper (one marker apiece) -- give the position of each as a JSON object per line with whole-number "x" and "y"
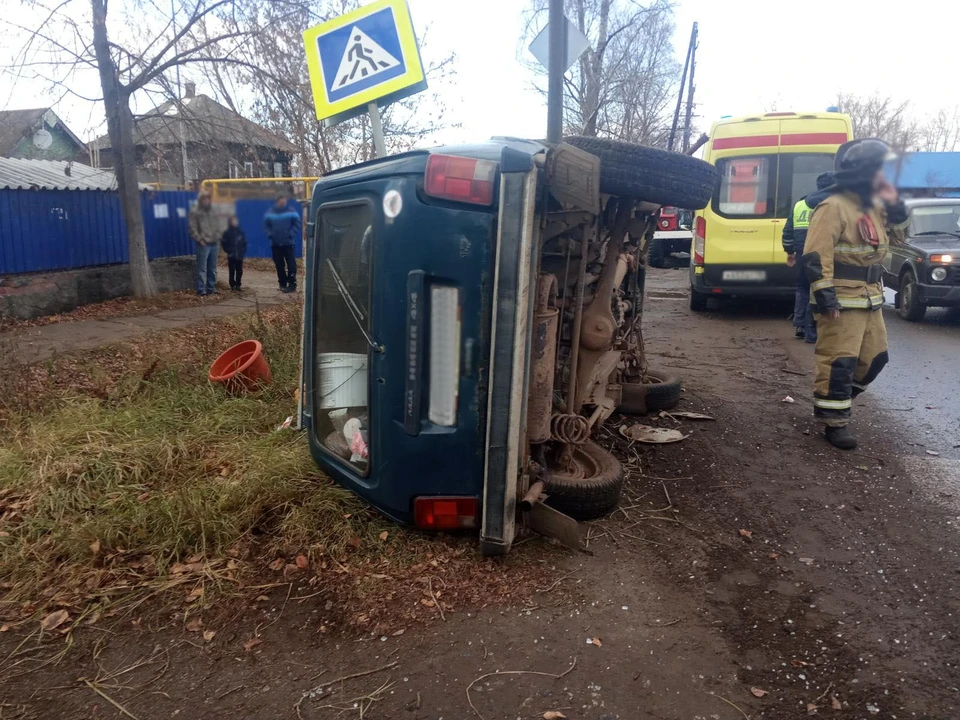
{"x": 779, "y": 280}
{"x": 673, "y": 241}
{"x": 939, "y": 294}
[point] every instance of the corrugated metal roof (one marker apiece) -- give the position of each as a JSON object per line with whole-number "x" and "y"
{"x": 923, "y": 170}
{"x": 53, "y": 175}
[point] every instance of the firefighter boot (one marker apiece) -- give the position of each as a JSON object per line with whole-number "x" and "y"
{"x": 840, "y": 437}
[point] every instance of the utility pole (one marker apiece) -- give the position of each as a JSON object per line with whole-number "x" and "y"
{"x": 687, "y": 130}
{"x": 557, "y": 24}
{"x": 683, "y": 82}
{"x": 179, "y": 101}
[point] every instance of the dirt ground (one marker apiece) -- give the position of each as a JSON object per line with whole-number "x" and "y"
{"x": 779, "y": 579}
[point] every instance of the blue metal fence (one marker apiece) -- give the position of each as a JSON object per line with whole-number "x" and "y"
{"x": 250, "y": 212}
{"x": 60, "y": 229}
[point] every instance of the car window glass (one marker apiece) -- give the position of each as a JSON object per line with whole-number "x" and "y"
{"x": 935, "y": 218}
{"x": 746, "y": 186}
{"x": 344, "y": 246}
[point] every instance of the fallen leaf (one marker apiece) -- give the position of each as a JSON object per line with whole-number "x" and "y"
{"x": 757, "y": 692}
{"x": 554, "y": 715}
{"x": 800, "y": 663}
{"x": 302, "y": 562}
{"x": 773, "y": 555}
{"x": 4, "y": 628}
{"x": 95, "y": 547}
{"x": 354, "y": 542}
{"x": 399, "y": 632}
{"x": 746, "y": 533}
{"x": 834, "y": 703}
{"x": 689, "y": 415}
{"x": 383, "y": 535}
{"x": 251, "y": 643}
{"x": 54, "y": 619}
{"x": 427, "y": 601}
{"x": 4, "y": 533}
{"x": 596, "y": 641}
{"x": 262, "y": 598}
{"x": 811, "y": 709}
{"x": 195, "y": 594}
{"x": 651, "y": 435}
{"x": 208, "y": 635}
{"x": 277, "y": 564}
{"x": 195, "y": 625}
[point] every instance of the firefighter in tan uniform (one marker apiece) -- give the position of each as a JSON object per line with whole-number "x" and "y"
{"x": 849, "y": 235}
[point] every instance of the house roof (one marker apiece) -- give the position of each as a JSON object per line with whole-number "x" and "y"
{"x": 203, "y": 120}
{"x": 923, "y": 170}
{"x": 16, "y": 124}
{"x": 17, "y": 174}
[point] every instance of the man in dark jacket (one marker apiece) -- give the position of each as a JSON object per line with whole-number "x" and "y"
{"x": 284, "y": 229}
{"x": 794, "y": 236}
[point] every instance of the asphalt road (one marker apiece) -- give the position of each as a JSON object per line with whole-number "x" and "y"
{"x": 920, "y": 386}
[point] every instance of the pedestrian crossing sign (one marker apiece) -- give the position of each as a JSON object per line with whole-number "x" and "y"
{"x": 367, "y": 55}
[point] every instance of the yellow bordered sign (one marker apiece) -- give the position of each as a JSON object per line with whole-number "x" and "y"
{"x": 368, "y": 54}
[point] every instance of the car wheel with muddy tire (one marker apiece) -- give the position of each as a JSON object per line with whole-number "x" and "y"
{"x": 911, "y": 307}
{"x": 645, "y": 173}
{"x": 589, "y": 487}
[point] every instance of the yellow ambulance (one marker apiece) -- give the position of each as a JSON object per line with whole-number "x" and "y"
{"x": 766, "y": 163}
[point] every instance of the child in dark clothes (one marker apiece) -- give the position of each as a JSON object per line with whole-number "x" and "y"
{"x": 234, "y": 244}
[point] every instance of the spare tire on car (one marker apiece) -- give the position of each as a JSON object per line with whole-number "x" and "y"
{"x": 661, "y": 391}
{"x": 593, "y": 490}
{"x": 646, "y": 173}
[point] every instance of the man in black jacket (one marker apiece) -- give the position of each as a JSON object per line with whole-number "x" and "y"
{"x": 794, "y": 236}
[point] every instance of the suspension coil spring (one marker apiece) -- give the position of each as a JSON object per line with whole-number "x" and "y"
{"x": 569, "y": 428}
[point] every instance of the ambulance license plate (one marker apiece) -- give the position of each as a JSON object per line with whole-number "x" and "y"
{"x": 745, "y": 275}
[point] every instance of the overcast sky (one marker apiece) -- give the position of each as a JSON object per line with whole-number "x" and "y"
{"x": 753, "y": 55}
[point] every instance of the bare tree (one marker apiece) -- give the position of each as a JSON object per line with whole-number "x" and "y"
{"x": 941, "y": 133}
{"x": 891, "y": 120}
{"x": 881, "y": 117}
{"x": 133, "y": 46}
{"x": 622, "y": 85}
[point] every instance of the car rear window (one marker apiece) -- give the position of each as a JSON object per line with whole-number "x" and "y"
{"x": 746, "y": 187}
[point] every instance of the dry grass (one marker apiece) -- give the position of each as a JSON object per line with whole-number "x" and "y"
{"x": 110, "y": 476}
{"x": 124, "y": 476}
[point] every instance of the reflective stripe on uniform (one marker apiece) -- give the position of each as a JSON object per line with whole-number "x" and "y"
{"x": 832, "y": 404}
{"x": 821, "y": 284}
{"x": 847, "y": 249}
{"x": 860, "y": 303}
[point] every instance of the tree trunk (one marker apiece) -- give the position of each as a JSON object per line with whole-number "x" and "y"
{"x": 591, "y": 107}
{"x": 116, "y": 103}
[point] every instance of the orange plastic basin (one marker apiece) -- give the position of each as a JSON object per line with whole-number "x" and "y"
{"x": 241, "y": 368}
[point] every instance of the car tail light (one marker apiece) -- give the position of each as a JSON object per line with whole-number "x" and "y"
{"x": 699, "y": 240}
{"x": 460, "y": 179}
{"x": 444, "y": 355}
{"x": 941, "y": 258}
{"x": 445, "y": 513}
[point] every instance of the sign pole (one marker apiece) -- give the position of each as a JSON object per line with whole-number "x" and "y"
{"x": 557, "y": 27}
{"x": 377, "y": 126}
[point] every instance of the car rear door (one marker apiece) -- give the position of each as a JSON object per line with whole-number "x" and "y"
{"x": 740, "y": 220}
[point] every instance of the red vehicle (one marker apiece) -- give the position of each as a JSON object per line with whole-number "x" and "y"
{"x": 673, "y": 235}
